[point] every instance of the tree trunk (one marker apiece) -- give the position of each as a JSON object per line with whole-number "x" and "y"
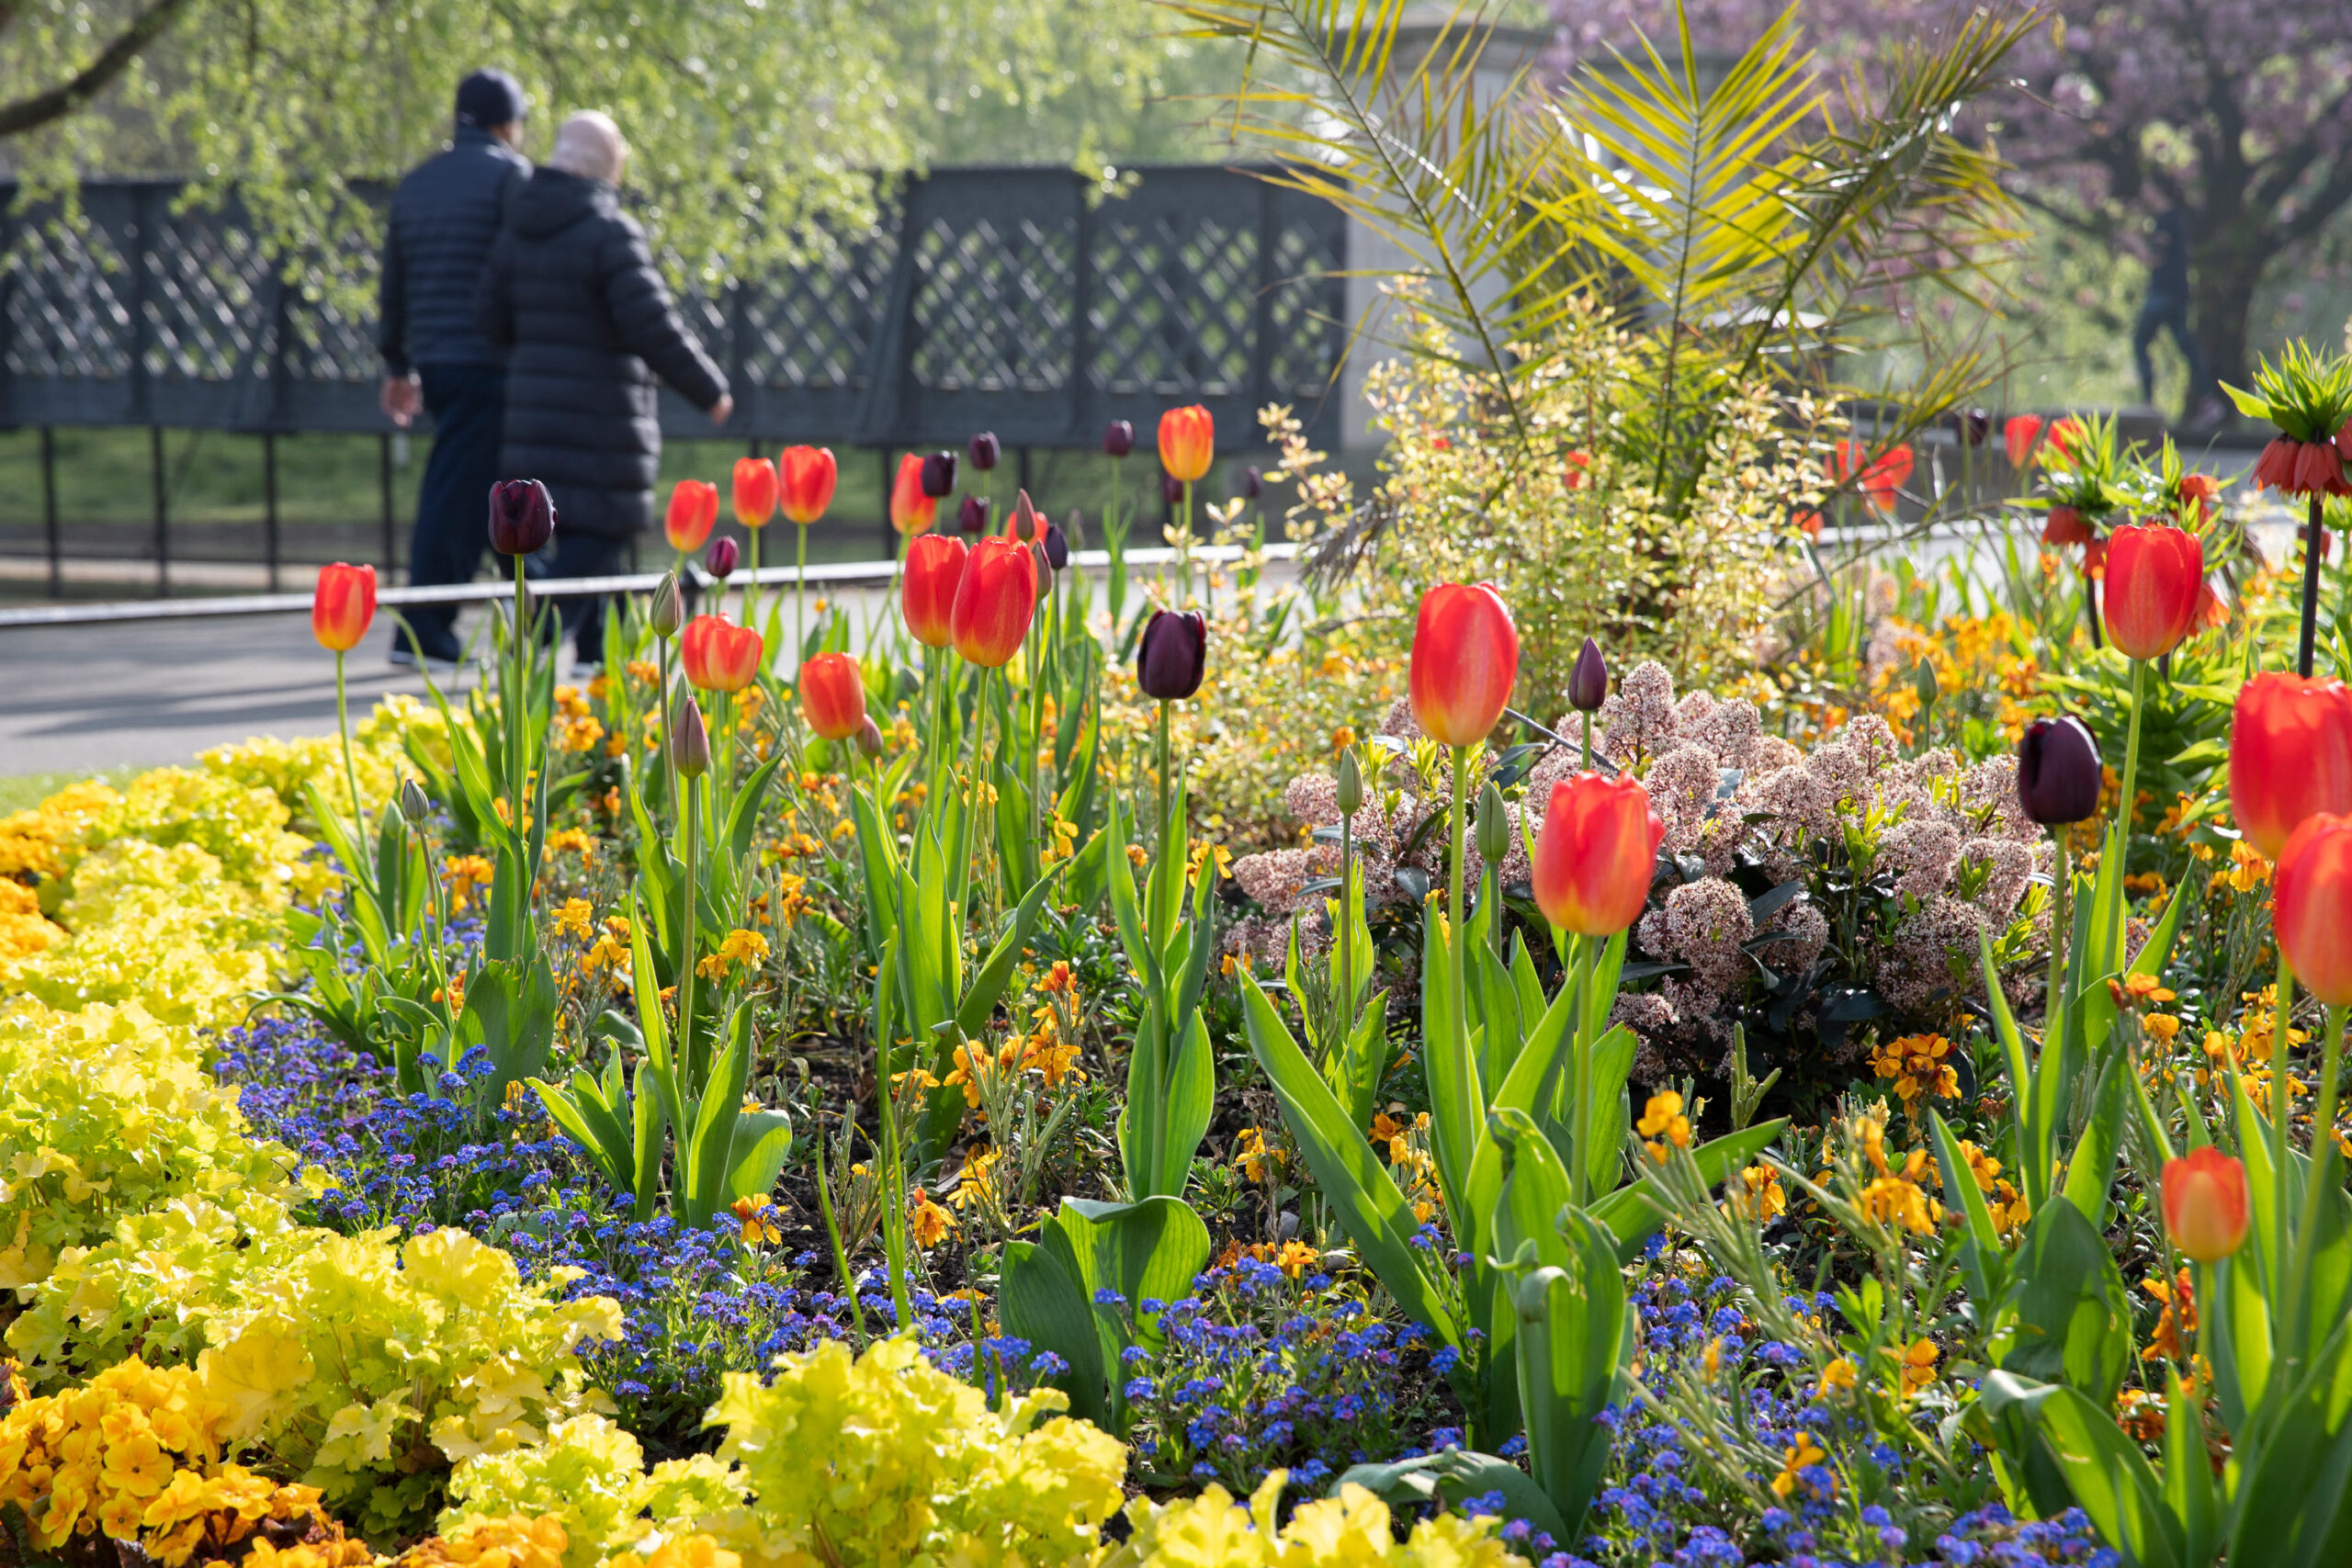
{"x": 2226, "y": 263}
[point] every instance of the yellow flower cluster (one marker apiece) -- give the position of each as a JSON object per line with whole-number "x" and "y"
{"x": 1662, "y": 1124}
{"x": 739, "y": 950}
{"x": 1979, "y": 664}
{"x": 514, "y": 1541}
{"x": 1352, "y": 1530}
{"x": 1894, "y": 1196}
{"x": 1917, "y": 1065}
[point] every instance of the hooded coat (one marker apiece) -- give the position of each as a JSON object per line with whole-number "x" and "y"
{"x": 571, "y": 293}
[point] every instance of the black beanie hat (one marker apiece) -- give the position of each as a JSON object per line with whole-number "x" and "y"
{"x": 488, "y": 98}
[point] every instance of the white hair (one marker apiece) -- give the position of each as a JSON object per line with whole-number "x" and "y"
{"x": 590, "y": 146}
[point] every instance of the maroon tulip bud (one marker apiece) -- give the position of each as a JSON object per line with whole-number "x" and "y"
{"x": 984, "y": 450}
{"x": 690, "y": 742}
{"x": 1173, "y": 655}
{"x": 1589, "y": 680}
{"x": 722, "y": 557}
{"x": 972, "y": 514}
{"x": 938, "y": 474}
{"x": 2058, "y": 770}
{"x": 1172, "y": 487}
{"x": 1056, "y": 546}
{"x": 522, "y": 518}
{"x": 1253, "y": 483}
{"x": 868, "y": 740}
{"x": 1973, "y": 426}
{"x": 1119, "y": 438}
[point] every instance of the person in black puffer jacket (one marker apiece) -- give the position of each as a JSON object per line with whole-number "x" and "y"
{"x": 572, "y": 293}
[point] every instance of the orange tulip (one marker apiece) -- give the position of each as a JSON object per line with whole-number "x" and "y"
{"x": 2205, "y": 1203}
{"x": 343, "y": 606}
{"x": 995, "y": 600}
{"x": 2312, "y": 905}
{"x": 912, "y": 510}
{"x": 1596, "y": 854}
{"x": 2290, "y": 756}
{"x": 1187, "y": 441}
{"x": 832, "y": 695}
{"x": 754, "y": 492}
{"x": 2154, "y": 571}
{"x": 1578, "y": 471}
{"x": 935, "y": 568}
{"x": 1465, "y": 659}
{"x": 719, "y": 655}
{"x": 806, "y": 482}
{"x": 2018, "y": 436}
{"x": 693, "y": 511}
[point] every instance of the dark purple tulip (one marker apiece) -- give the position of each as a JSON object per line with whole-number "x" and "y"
{"x": 1253, "y": 483}
{"x": 1056, "y": 547}
{"x": 1589, "y": 680}
{"x": 1119, "y": 438}
{"x": 1975, "y": 427}
{"x": 939, "y": 474}
{"x": 984, "y": 450}
{"x": 972, "y": 514}
{"x": 2058, "y": 770}
{"x": 722, "y": 557}
{"x": 1172, "y": 487}
{"x": 1172, "y": 656}
{"x": 522, "y": 518}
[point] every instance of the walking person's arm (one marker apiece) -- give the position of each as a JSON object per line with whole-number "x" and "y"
{"x": 651, "y": 328}
{"x": 399, "y": 397}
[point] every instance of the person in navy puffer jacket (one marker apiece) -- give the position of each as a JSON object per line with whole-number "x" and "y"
{"x": 572, "y": 293}
{"x": 445, "y": 217}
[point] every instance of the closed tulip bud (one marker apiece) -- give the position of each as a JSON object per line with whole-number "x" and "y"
{"x": 1464, "y": 662}
{"x": 1045, "y": 567}
{"x": 2290, "y": 756}
{"x": 2154, "y": 573}
{"x": 722, "y": 557}
{"x": 1023, "y": 524}
{"x": 1187, "y": 441}
{"x": 927, "y": 599}
{"x": 1056, "y": 547}
{"x": 938, "y": 474}
{"x": 343, "y": 606}
{"x": 1923, "y": 682}
{"x": 983, "y": 450}
{"x": 1973, "y": 426}
{"x": 2058, "y": 770}
{"x": 911, "y": 509}
{"x": 1596, "y": 854}
{"x": 414, "y": 804}
{"x": 1173, "y": 655}
{"x": 690, "y": 742}
{"x": 2312, "y": 905}
{"x": 1350, "y": 784}
{"x": 972, "y": 514}
{"x": 832, "y": 695}
{"x": 669, "y": 609}
{"x": 1494, "y": 826}
{"x": 522, "y": 518}
{"x": 868, "y": 740}
{"x": 1172, "y": 489}
{"x": 2205, "y": 1203}
{"x": 1253, "y": 483}
{"x": 1119, "y": 438}
{"x": 995, "y": 600}
{"x": 755, "y": 491}
{"x": 1588, "y": 680}
{"x": 805, "y": 480}
{"x": 694, "y": 511}
{"x": 719, "y": 656}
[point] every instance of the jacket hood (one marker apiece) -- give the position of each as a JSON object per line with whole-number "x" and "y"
{"x": 553, "y": 201}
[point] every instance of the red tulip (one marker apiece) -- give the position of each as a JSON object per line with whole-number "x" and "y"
{"x": 343, "y": 606}
{"x": 1578, "y": 472}
{"x": 832, "y": 695}
{"x": 934, "y": 566}
{"x": 754, "y": 492}
{"x": 1187, "y": 441}
{"x": 2154, "y": 571}
{"x": 995, "y": 600}
{"x": 1880, "y": 476}
{"x": 1465, "y": 660}
{"x": 2290, "y": 756}
{"x": 1808, "y": 524}
{"x": 804, "y": 485}
{"x": 1597, "y": 853}
{"x": 2018, "y": 435}
{"x": 693, "y": 511}
{"x": 719, "y": 655}
{"x": 2205, "y": 1203}
{"x": 2312, "y": 905}
{"x": 912, "y": 510}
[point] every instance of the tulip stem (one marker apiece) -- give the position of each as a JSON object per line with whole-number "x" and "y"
{"x": 2125, "y": 812}
{"x": 799, "y": 596}
{"x": 2317, "y": 1173}
{"x": 690, "y": 914}
{"x": 2307, "y": 644}
{"x": 669, "y": 729}
{"x": 1587, "y": 742}
{"x": 1457, "y": 934}
{"x": 751, "y": 577}
{"x": 1580, "y": 1082}
{"x": 2282, "y": 1109}
{"x": 351, "y": 777}
{"x": 515, "y": 704}
{"x": 2061, "y": 928}
{"x": 1166, "y": 781}
{"x": 1347, "y": 925}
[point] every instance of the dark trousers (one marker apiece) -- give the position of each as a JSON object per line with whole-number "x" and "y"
{"x": 2165, "y": 312}
{"x": 468, "y": 403}
{"x": 585, "y": 555}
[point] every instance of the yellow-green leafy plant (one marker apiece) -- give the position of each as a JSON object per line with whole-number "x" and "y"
{"x": 1352, "y": 1530}
{"x": 589, "y": 1477}
{"x": 885, "y": 1460}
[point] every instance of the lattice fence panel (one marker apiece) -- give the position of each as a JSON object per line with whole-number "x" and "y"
{"x": 67, "y": 318}
{"x": 994, "y": 309}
